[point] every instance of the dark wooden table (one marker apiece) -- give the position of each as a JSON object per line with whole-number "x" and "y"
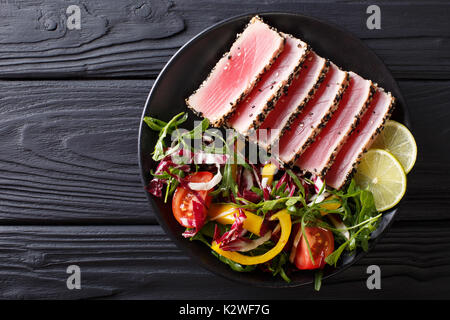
{"x": 70, "y": 192}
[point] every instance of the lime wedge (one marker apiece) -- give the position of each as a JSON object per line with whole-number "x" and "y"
{"x": 382, "y": 174}
{"x": 399, "y": 141}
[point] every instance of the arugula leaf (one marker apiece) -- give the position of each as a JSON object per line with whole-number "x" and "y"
{"x": 227, "y": 183}
{"x": 368, "y": 209}
{"x": 155, "y": 124}
{"x": 164, "y": 130}
{"x": 303, "y": 228}
{"x": 277, "y": 266}
{"x": 167, "y": 190}
{"x": 278, "y": 203}
{"x": 258, "y": 191}
{"x": 209, "y": 227}
{"x": 368, "y": 225}
{"x": 200, "y": 237}
{"x": 291, "y": 202}
{"x": 198, "y": 130}
{"x": 265, "y": 206}
{"x": 333, "y": 258}
{"x": 207, "y": 231}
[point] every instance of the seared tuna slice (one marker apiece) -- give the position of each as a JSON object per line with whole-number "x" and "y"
{"x": 320, "y": 154}
{"x": 251, "y": 111}
{"x": 237, "y": 72}
{"x": 360, "y": 140}
{"x": 299, "y": 93}
{"x": 313, "y": 117}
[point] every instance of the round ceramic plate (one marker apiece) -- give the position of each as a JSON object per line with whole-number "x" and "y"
{"x": 190, "y": 66}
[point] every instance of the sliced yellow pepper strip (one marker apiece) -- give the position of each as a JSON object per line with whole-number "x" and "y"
{"x": 286, "y": 225}
{"x": 224, "y": 214}
{"x": 330, "y": 206}
{"x": 268, "y": 171}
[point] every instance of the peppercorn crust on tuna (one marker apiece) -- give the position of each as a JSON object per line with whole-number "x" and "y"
{"x": 314, "y": 116}
{"x": 252, "y": 110}
{"x": 288, "y": 107}
{"x": 320, "y": 155}
{"x": 237, "y": 72}
{"x": 361, "y": 139}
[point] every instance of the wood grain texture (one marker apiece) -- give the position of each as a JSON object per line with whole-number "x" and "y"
{"x": 69, "y": 152}
{"x": 137, "y": 262}
{"x": 135, "y": 38}
{"x": 428, "y": 184}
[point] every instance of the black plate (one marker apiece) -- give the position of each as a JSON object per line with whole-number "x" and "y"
{"x": 189, "y": 67}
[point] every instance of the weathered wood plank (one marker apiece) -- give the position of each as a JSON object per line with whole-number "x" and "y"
{"x": 69, "y": 149}
{"x": 136, "y": 38}
{"x": 428, "y": 183}
{"x": 69, "y": 152}
{"x": 141, "y": 262}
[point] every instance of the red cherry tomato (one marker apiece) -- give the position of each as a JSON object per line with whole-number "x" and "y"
{"x": 321, "y": 242}
{"x": 182, "y": 202}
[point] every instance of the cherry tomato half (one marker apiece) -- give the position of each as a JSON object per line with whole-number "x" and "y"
{"x": 182, "y": 202}
{"x": 321, "y": 242}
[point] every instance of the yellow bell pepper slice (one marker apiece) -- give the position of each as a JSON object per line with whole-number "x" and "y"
{"x": 224, "y": 214}
{"x": 286, "y": 226}
{"x": 330, "y": 206}
{"x": 268, "y": 171}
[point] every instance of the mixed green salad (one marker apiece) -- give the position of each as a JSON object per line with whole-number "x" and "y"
{"x": 255, "y": 215}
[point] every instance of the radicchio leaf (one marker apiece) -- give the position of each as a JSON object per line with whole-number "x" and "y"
{"x": 318, "y": 183}
{"x": 236, "y": 231}
{"x": 155, "y": 187}
{"x": 256, "y": 175}
{"x": 291, "y": 186}
{"x": 266, "y": 193}
{"x": 281, "y": 181}
{"x": 250, "y": 196}
{"x": 209, "y": 158}
{"x": 189, "y": 233}
{"x": 182, "y": 156}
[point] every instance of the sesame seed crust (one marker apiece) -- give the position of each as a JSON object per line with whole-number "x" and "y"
{"x": 324, "y": 121}
{"x": 283, "y": 87}
{"x": 233, "y": 104}
{"x": 356, "y": 121}
{"x": 376, "y": 132}
{"x": 299, "y": 108}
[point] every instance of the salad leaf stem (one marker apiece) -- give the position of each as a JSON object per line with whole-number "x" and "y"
{"x": 157, "y": 125}
{"x": 318, "y": 279}
{"x": 333, "y": 258}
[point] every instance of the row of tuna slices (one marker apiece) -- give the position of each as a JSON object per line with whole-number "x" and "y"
{"x": 320, "y": 155}
{"x": 360, "y": 140}
{"x": 237, "y": 72}
{"x": 252, "y": 111}
{"x": 314, "y": 116}
{"x": 301, "y": 90}
{"x": 324, "y": 120}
